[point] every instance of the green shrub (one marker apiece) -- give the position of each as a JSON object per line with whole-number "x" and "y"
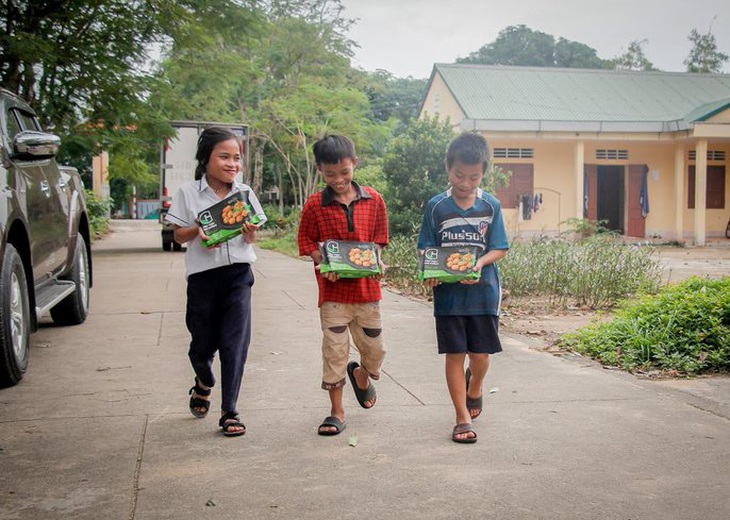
{"x": 97, "y": 209}
{"x": 281, "y": 221}
{"x": 684, "y": 328}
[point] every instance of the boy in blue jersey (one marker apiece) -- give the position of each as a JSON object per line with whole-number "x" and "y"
{"x": 467, "y": 312}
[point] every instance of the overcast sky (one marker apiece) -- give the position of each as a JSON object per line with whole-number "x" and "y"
{"x": 406, "y": 37}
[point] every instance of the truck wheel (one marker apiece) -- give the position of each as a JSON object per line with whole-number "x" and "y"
{"x": 176, "y": 246}
{"x": 166, "y": 245}
{"x": 73, "y": 309}
{"x": 14, "y": 319}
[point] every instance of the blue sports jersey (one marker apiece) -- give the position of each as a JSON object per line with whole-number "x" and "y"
{"x": 445, "y": 224}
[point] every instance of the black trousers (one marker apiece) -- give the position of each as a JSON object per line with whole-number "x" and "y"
{"x": 218, "y": 316}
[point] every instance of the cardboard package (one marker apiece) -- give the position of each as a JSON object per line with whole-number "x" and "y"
{"x": 222, "y": 221}
{"x": 449, "y": 264}
{"x": 350, "y": 259}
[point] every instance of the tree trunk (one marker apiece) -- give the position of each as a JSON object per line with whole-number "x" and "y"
{"x": 258, "y": 167}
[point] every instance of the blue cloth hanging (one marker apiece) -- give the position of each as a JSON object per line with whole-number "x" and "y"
{"x": 644, "y": 194}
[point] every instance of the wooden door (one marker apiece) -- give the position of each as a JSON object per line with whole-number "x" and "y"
{"x": 590, "y": 210}
{"x": 636, "y": 225}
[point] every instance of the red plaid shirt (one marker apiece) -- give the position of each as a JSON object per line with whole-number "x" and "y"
{"x": 364, "y": 220}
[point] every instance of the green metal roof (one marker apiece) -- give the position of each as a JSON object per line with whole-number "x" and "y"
{"x": 519, "y": 98}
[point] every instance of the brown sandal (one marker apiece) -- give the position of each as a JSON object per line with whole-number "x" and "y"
{"x": 461, "y": 429}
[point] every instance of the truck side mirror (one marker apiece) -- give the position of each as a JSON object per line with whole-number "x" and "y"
{"x": 30, "y": 145}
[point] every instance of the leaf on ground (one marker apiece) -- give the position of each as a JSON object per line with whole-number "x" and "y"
{"x": 210, "y": 502}
{"x": 352, "y": 441}
{"x": 493, "y": 390}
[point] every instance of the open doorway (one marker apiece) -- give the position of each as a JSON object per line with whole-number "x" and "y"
{"x": 610, "y": 200}
{"x": 605, "y": 195}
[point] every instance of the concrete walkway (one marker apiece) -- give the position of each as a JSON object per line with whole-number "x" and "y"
{"x": 99, "y": 427}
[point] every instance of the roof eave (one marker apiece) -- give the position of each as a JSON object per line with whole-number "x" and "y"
{"x": 487, "y": 125}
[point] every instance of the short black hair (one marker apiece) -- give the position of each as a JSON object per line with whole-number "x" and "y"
{"x": 468, "y": 148}
{"x": 207, "y": 140}
{"x": 333, "y": 148}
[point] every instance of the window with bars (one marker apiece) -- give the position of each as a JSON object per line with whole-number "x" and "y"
{"x": 513, "y": 153}
{"x": 612, "y": 154}
{"x": 712, "y": 155}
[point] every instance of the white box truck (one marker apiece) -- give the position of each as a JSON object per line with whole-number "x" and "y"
{"x": 177, "y": 166}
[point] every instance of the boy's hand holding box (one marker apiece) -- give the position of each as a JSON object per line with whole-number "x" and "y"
{"x": 224, "y": 220}
{"x": 448, "y": 264}
{"x": 350, "y": 259}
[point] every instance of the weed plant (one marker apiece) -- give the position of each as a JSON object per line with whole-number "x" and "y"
{"x": 685, "y": 329}
{"x": 596, "y": 271}
{"x": 401, "y": 258}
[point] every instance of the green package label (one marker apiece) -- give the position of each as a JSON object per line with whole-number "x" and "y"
{"x": 449, "y": 264}
{"x": 223, "y": 220}
{"x": 349, "y": 259}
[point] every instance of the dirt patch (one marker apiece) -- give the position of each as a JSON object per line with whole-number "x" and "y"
{"x": 538, "y": 319}
{"x": 682, "y": 262}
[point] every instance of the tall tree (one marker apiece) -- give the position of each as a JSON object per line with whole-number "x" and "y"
{"x": 520, "y": 45}
{"x": 74, "y": 59}
{"x": 570, "y": 54}
{"x": 288, "y": 79}
{"x": 516, "y": 45}
{"x": 415, "y": 171}
{"x": 704, "y": 57}
{"x": 634, "y": 58}
{"x": 391, "y": 97}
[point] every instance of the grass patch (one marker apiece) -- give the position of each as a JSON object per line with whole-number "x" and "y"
{"x": 684, "y": 329}
{"x": 282, "y": 241}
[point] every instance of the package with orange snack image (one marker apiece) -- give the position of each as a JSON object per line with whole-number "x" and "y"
{"x": 448, "y": 264}
{"x": 223, "y": 221}
{"x": 350, "y": 259}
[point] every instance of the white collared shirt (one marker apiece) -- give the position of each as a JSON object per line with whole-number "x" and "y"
{"x": 190, "y": 200}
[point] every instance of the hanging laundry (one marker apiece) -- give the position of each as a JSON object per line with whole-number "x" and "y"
{"x": 527, "y": 203}
{"x": 644, "y": 194}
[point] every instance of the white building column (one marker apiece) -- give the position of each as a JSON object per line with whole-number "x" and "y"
{"x": 700, "y": 220}
{"x": 579, "y": 178}
{"x": 679, "y": 197}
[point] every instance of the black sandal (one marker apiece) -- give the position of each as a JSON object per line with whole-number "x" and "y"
{"x": 196, "y": 403}
{"x": 231, "y": 420}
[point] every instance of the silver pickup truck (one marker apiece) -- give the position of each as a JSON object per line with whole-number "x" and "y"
{"x": 45, "y": 247}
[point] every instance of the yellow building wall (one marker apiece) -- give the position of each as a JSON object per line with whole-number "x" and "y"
{"x": 440, "y": 102}
{"x": 555, "y": 179}
{"x": 716, "y": 219}
{"x": 722, "y": 117}
{"x": 553, "y": 165}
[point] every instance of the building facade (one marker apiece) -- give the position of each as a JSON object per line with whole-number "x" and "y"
{"x": 643, "y": 152}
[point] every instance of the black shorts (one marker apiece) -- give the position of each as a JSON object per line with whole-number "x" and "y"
{"x": 473, "y": 334}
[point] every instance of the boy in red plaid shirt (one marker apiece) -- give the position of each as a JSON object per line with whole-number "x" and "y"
{"x": 344, "y": 210}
